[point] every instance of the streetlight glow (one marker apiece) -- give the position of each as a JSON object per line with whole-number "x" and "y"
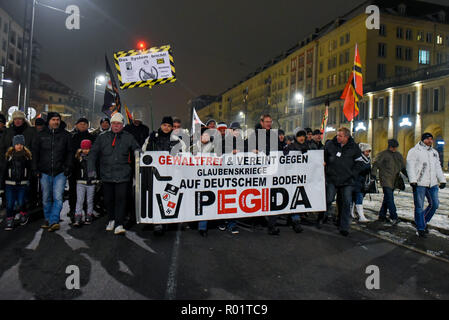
{"x": 299, "y": 98}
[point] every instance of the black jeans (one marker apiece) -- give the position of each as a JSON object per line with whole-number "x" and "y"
{"x": 115, "y": 196}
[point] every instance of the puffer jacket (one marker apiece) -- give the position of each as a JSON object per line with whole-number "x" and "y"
{"x": 388, "y": 164}
{"x": 423, "y": 166}
{"x": 342, "y": 167}
{"x": 18, "y": 167}
{"x": 114, "y": 151}
{"x": 303, "y": 147}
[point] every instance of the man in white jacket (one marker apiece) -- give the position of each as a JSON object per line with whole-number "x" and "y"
{"x": 425, "y": 175}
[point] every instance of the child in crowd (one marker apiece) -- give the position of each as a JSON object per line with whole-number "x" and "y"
{"x": 85, "y": 187}
{"x": 17, "y": 179}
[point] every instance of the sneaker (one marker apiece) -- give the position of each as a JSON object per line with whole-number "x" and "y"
{"x": 234, "y": 230}
{"x": 222, "y": 227}
{"x": 54, "y": 227}
{"x": 110, "y": 226}
{"x": 421, "y": 234}
{"x": 23, "y": 218}
{"x": 46, "y": 225}
{"x": 344, "y": 233}
{"x": 272, "y": 231}
{"x": 158, "y": 230}
{"x": 78, "y": 221}
{"x": 9, "y": 224}
{"x": 297, "y": 227}
{"x": 71, "y": 215}
{"x": 89, "y": 219}
{"x": 203, "y": 233}
{"x": 120, "y": 230}
{"x": 17, "y": 217}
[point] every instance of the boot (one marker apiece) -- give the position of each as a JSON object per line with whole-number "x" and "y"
{"x": 362, "y": 217}
{"x": 353, "y": 211}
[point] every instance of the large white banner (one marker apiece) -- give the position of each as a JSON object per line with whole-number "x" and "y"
{"x": 187, "y": 187}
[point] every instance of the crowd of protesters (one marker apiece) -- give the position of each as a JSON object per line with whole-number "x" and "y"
{"x": 37, "y": 162}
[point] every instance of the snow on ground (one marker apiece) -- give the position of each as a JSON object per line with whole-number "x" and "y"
{"x": 405, "y": 206}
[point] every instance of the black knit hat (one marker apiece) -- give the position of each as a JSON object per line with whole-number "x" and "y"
{"x": 426, "y": 135}
{"x": 168, "y": 120}
{"x": 105, "y": 120}
{"x": 82, "y": 120}
{"x": 308, "y": 130}
{"x": 53, "y": 115}
{"x": 39, "y": 122}
{"x": 235, "y": 125}
{"x": 301, "y": 133}
{"x": 392, "y": 143}
{"x": 281, "y": 132}
{"x": 316, "y": 132}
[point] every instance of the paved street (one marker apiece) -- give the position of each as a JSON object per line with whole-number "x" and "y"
{"x": 318, "y": 264}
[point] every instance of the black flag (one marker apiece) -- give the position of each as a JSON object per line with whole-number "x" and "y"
{"x": 112, "y": 102}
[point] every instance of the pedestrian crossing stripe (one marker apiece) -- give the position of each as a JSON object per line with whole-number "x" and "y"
{"x": 149, "y": 83}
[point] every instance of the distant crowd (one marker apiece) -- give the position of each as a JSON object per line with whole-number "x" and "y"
{"x": 38, "y": 162}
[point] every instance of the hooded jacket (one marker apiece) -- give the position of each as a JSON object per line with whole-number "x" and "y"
{"x": 424, "y": 167}
{"x": 18, "y": 167}
{"x": 342, "y": 167}
{"x": 10, "y": 131}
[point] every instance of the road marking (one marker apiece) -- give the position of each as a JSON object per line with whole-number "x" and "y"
{"x": 36, "y": 240}
{"x": 170, "y": 292}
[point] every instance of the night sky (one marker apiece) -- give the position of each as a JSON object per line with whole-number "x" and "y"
{"x": 215, "y": 43}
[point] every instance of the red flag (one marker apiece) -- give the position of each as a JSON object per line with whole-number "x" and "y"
{"x": 350, "y": 108}
{"x": 326, "y": 116}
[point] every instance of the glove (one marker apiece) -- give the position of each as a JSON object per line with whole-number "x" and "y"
{"x": 67, "y": 173}
{"x": 89, "y": 181}
{"x": 286, "y": 151}
{"x": 413, "y": 185}
{"x": 442, "y": 185}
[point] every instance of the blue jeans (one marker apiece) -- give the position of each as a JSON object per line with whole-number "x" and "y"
{"x": 346, "y": 202}
{"x": 52, "y": 196}
{"x": 202, "y": 225}
{"x": 357, "y": 198}
{"x": 423, "y": 217}
{"x": 388, "y": 204}
{"x": 13, "y": 194}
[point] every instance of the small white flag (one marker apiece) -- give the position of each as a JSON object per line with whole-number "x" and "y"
{"x": 195, "y": 121}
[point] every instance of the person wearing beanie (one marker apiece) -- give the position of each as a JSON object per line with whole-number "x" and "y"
{"x": 387, "y": 166}
{"x": 39, "y": 124}
{"x": 317, "y": 139}
{"x": 164, "y": 140}
{"x": 300, "y": 144}
{"x": 211, "y": 124}
{"x": 79, "y": 133}
{"x": 282, "y": 143}
{"x": 17, "y": 174}
{"x": 111, "y": 152}
{"x": 105, "y": 125}
{"x": 53, "y": 162}
{"x": 85, "y": 186}
{"x": 364, "y": 174}
{"x": 139, "y": 131}
{"x": 426, "y": 177}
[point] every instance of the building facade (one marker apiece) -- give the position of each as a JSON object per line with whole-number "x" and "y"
{"x": 403, "y": 68}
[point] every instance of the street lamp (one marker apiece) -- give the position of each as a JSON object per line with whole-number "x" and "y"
{"x": 97, "y": 82}
{"x": 300, "y": 99}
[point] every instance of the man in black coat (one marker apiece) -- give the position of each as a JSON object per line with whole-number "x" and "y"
{"x": 52, "y": 162}
{"x": 139, "y": 131}
{"x": 79, "y": 134}
{"x": 341, "y": 170}
{"x": 113, "y": 149}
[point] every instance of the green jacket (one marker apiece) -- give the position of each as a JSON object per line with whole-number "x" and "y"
{"x": 114, "y": 152}
{"x": 389, "y": 164}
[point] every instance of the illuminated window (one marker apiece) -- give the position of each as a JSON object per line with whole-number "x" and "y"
{"x": 439, "y": 39}
{"x": 424, "y": 56}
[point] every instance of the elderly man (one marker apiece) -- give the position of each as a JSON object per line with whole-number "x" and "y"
{"x": 113, "y": 149}
{"x": 425, "y": 176}
{"x": 52, "y": 162}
